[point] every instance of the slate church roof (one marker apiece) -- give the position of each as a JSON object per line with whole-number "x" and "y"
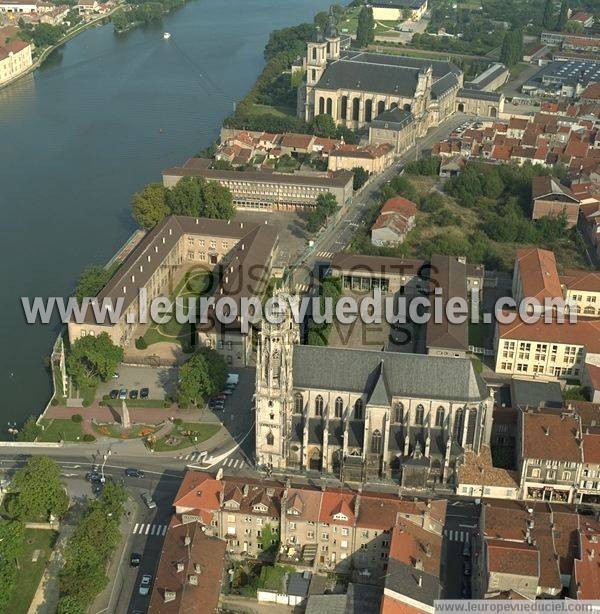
{"x": 407, "y": 375}
{"x": 384, "y": 74}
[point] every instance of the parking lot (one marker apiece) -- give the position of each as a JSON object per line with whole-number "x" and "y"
{"x": 160, "y": 381}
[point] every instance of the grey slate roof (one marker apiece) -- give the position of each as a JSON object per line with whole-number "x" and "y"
{"x": 336, "y": 432}
{"x": 443, "y": 85}
{"x": 408, "y": 375}
{"x": 396, "y": 437}
{"x": 404, "y": 579}
{"x": 530, "y": 393}
{"x": 356, "y": 433}
{"x": 297, "y": 428}
{"x": 384, "y": 74}
{"x": 393, "y": 118}
{"x": 315, "y": 430}
{"x": 479, "y": 94}
{"x": 379, "y": 395}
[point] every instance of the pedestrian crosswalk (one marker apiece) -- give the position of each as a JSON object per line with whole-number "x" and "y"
{"x": 149, "y": 529}
{"x": 233, "y": 463}
{"x": 193, "y": 457}
{"x": 301, "y": 288}
{"x": 325, "y": 255}
{"x": 454, "y": 535}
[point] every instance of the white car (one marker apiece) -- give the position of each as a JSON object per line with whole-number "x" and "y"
{"x": 145, "y": 584}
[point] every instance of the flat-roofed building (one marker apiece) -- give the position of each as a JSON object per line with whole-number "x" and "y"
{"x": 266, "y": 190}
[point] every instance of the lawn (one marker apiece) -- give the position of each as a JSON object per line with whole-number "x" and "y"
{"x": 30, "y": 573}
{"x": 186, "y": 434}
{"x": 193, "y": 285}
{"x": 60, "y": 430}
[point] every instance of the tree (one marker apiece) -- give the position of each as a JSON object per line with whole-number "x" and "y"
{"x": 548, "y": 19}
{"x": 328, "y": 203}
{"x": 360, "y": 177}
{"x": 365, "y": 31}
{"x": 150, "y": 205}
{"x": 222, "y": 165}
{"x": 93, "y": 357}
{"x": 323, "y": 125}
{"x": 30, "y": 430}
{"x": 218, "y": 201}
{"x": 563, "y": 15}
{"x": 185, "y": 198}
{"x": 269, "y": 540}
{"x": 512, "y": 48}
{"x": 204, "y": 374}
{"x": 91, "y": 281}
{"x": 12, "y": 544}
{"x": 573, "y": 27}
{"x": 36, "y": 492}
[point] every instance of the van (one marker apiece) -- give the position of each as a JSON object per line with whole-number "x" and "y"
{"x": 232, "y": 379}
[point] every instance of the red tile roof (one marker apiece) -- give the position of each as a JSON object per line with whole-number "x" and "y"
{"x": 12, "y": 47}
{"x": 591, "y": 448}
{"x": 337, "y": 503}
{"x": 513, "y": 558}
{"x": 586, "y": 570}
{"x": 539, "y": 277}
{"x": 591, "y": 92}
{"x": 551, "y": 436}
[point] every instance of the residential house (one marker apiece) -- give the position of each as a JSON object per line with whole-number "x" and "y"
{"x": 550, "y": 455}
{"x": 588, "y": 490}
{"x": 477, "y": 477}
{"x": 189, "y": 572}
{"x": 552, "y": 198}
{"x": 396, "y": 219}
{"x": 585, "y": 581}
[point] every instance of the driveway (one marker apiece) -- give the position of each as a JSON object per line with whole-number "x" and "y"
{"x": 160, "y": 381}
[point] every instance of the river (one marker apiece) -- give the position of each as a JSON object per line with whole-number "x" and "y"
{"x": 102, "y": 117}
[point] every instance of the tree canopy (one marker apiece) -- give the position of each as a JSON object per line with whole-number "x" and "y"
{"x": 365, "y": 31}
{"x": 326, "y": 205}
{"x": 93, "y": 357}
{"x": 12, "y": 545}
{"x": 511, "y": 52}
{"x": 91, "y": 281}
{"x": 36, "y": 491}
{"x": 563, "y": 15}
{"x": 149, "y": 205}
{"x": 203, "y": 375}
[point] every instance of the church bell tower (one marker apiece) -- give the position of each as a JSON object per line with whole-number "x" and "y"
{"x": 274, "y": 385}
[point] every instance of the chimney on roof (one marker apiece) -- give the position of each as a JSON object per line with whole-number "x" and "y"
{"x": 592, "y": 554}
{"x": 419, "y": 565}
{"x": 420, "y": 580}
{"x": 170, "y": 596}
{"x": 197, "y": 221}
{"x": 242, "y": 247}
{"x": 241, "y": 224}
{"x": 187, "y": 540}
{"x": 245, "y": 490}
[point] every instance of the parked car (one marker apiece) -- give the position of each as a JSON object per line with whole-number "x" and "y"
{"x": 220, "y": 397}
{"x": 135, "y": 559}
{"x": 131, "y": 472}
{"x": 93, "y": 476}
{"x": 114, "y": 394}
{"x": 233, "y": 379}
{"x": 144, "y": 392}
{"x": 227, "y": 392}
{"x": 133, "y": 394}
{"x": 147, "y": 499}
{"x": 123, "y": 394}
{"x": 145, "y": 584}
{"x": 215, "y": 404}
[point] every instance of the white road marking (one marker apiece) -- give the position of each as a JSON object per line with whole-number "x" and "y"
{"x": 147, "y": 530}
{"x": 137, "y": 524}
{"x": 153, "y": 529}
{"x": 164, "y": 531}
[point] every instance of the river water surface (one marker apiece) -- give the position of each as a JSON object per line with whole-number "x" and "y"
{"x": 102, "y": 117}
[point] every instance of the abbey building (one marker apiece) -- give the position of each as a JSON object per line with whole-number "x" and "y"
{"x": 364, "y": 414}
{"x": 355, "y": 87}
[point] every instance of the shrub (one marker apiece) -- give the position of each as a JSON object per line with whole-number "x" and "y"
{"x": 54, "y": 402}
{"x": 178, "y": 421}
{"x": 140, "y": 343}
{"x": 78, "y": 418}
{"x": 88, "y": 438}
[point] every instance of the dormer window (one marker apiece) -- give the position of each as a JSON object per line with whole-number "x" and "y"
{"x": 293, "y": 511}
{"x": 260, "y": 507}
{"x": 340, "y": 516}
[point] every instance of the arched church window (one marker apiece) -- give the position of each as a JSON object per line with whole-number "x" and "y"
{"x": 459, "y": 422}
{"x": 439, "y": 417}
{"x": 419, "y": 415}
{"x": 399, "y": 413}
{"x": 298, "y": 403}
{"x": 358, "y": 409}
{"x": 376, "y": 442}
{"x": 339, "y": 407}
{"x": 270, "y": 438}
{"x": 319, "y": 405}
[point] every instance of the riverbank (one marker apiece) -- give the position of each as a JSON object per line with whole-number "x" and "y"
{"x": 82, "y": 27}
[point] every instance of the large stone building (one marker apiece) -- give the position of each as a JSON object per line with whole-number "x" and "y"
{"x": 355, "y": 87}
{"x": 364, "y": 414}
{"x": 15, "y": 55}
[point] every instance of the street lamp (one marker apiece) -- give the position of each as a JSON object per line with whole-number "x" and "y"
{"x": 104, "y": 458}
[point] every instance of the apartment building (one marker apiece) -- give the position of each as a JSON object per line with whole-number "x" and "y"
{"x": 588, "y": 488}
{"x": 525, "y": 548}
{"x": 268, "y": 190}
{"x": 550, "y": 456}
{"x": 15, "y": 55}
{"x": 585, "y": 582}
{"x": 329, "y": 530}
{"x": 582, "y": 290}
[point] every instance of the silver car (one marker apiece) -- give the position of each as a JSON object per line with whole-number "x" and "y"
{"x": 147, "y": 499}
{"x": 145, "y": 584}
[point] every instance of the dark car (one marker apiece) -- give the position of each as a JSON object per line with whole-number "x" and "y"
{"x": 216, "y": 405}
{"x": 135, "y": 559}
{"x": 93, "y": 476}
{"x": 133, "y": 394}
{"x": 144, "y": 392}
{"x": 114, "y": 394}
{"x": 134, "y": 473}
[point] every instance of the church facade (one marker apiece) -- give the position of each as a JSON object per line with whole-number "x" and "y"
{"x": 364, "y": 414}
{"x": 355, "y": 87}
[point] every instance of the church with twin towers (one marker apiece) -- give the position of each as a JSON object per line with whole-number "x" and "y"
{"x": 356, "y": 87}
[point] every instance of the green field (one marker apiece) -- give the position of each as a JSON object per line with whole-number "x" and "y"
{"x": 30, "y": 573}
{"x": 60, "y": 430}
